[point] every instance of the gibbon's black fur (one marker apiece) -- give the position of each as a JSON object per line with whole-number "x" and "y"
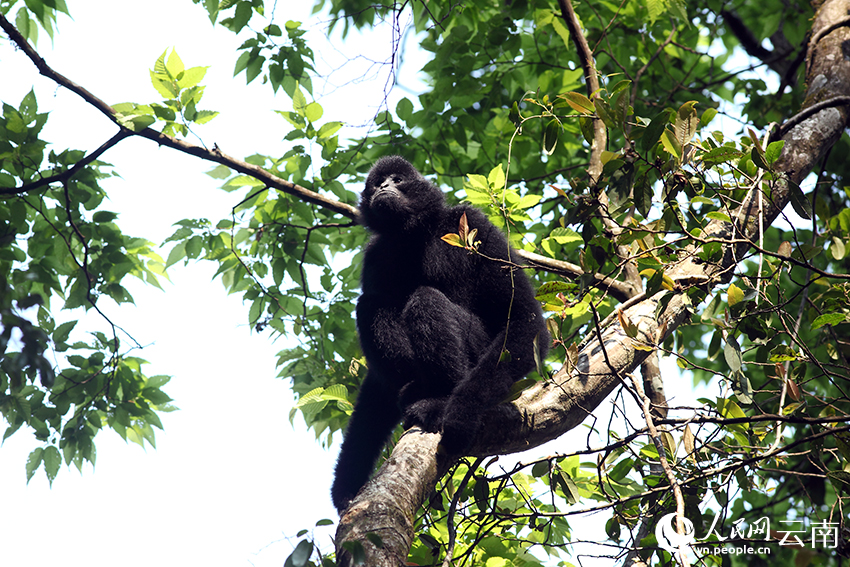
{"x": 432, "y": 320}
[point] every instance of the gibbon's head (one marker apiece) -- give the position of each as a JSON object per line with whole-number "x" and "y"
{"x": 397, "y": 198}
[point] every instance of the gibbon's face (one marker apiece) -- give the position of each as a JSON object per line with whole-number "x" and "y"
{"x": 388, "y": 191}
{"x": 397, "y": 197}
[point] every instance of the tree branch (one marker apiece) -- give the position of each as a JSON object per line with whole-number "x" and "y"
{"x": 585, "y": 55}
{"x": 600, "y": 139}
{"x": 775, "y": 60}
{"x": 214, "y": 155}
{"x": 64, "y": 176}
{"x": 619, "y": 290}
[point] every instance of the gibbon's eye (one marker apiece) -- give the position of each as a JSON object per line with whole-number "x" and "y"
{"x": 397, "y": 179}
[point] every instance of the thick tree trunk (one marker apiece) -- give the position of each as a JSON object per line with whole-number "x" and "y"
{"x": 387, "y": 505}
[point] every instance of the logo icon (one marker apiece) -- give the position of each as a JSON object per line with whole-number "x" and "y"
{"x": 669, "y": 539}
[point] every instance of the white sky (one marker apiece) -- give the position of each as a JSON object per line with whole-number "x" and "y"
{"x": 230, "y": 479}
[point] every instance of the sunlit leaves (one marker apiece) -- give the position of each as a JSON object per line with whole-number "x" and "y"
{"x": 181, "y": 92}
{"x": 773, "y": 151}
{"x": 672, "y": 144}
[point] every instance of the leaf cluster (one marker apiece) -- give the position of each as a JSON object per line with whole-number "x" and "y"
{"x": 62, "y": 250}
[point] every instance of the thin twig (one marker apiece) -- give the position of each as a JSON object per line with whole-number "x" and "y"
{"x": 662, "y": 458}
{"x": 64, "y": 176}
{"x": 447, "y": 561}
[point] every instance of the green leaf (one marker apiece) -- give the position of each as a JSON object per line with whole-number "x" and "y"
{"x": 241, "y": 18}
{"x": 26, "y": 26}
{"x": 567, "y": 486}
{"x": 799, "y": 202}
{"x": 729, "y": 409}
{"x": 722, "y": 154}
{"x": 299, "y": 102}
{"x": 759, "y": 159}
{"x": 255, "y": 66}
{"x": 550, "y": 137}
{"x": 686, "y": 123}
{"x": 104, "y": 216}
{"x": 773, "y": 151}
{"x": 828, "y": 319}
{"x": 579, "y": 102}
{"x": 136, "y": 123}
{"x": 300, "y": 556}
{"x": 654, "y": 281}
{"x": 603, "y": 111}
{"x": 837, "y": 249}
{"x": 671, "y": 145}
{"x": 782, "y": 353}
{"x": 52, "y": 460}
{"x": 540, "y": 469}
{"x": 329, "y": 129}
{"x": 481, "y": 492}
{"x": 586, "y": 126}
{"x": 174, "y": 65}
{"x": 28, "y": 107}
{"x": 528, "y": 201}
{"x": 242, "y": 62}
{"x": 653, "y": 132}
{"x": 475, "y": 182}
{"x": 496, "y": 178}
{"x": 562, "y": 32}
{"x": 404, "y": 109}
{"x": 742, "y": 387}
{"x": 192, "y": 77}
{"x": 34, "y": 461}
{"x": 177, "y": 253}
{"x": 313, "y": 111}
{"x": 732, "y": 354}
{"x": 717, "y": 215}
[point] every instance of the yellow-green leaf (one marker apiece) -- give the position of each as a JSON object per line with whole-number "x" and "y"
{"x": 579, "y": 102}
{"x": 174, "y": 65}
{"x": 671, "y": 145}
{"x": 496, "y": 177}
{"x": 313, "y": 111}
{"x": 734, "y": 295}
{"x": 453, "y": 239}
